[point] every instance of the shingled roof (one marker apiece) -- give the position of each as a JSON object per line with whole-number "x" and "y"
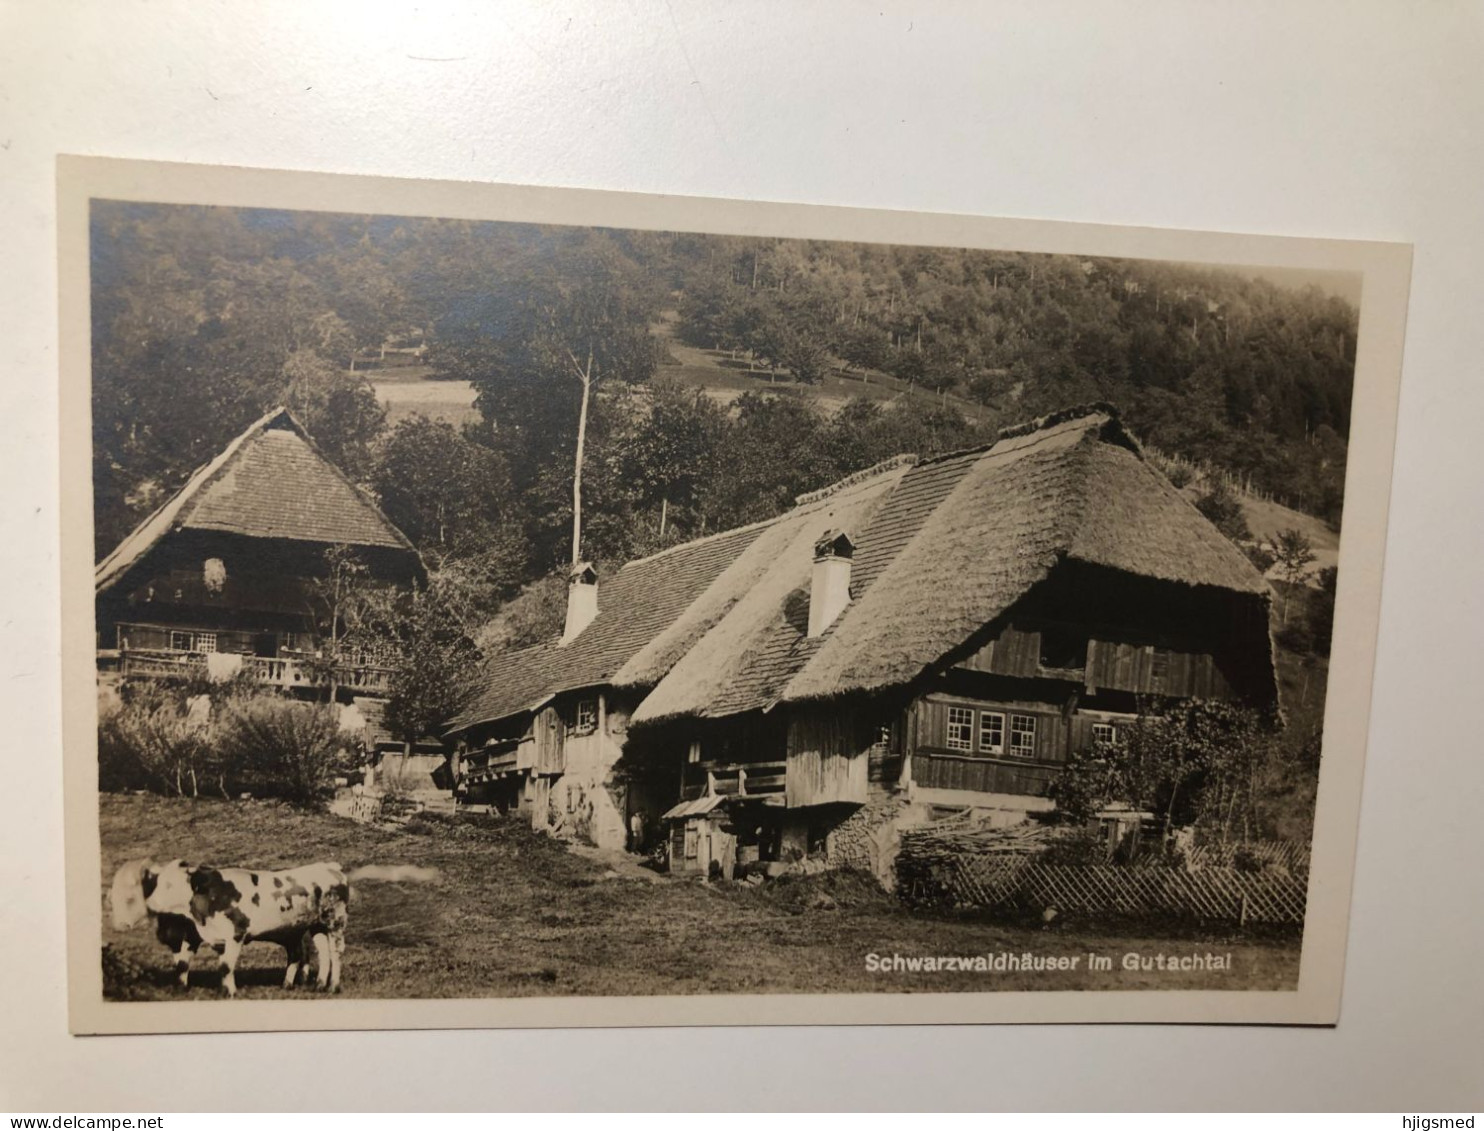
{"x": 269, "y": 482}
{"x": 718, "y": 627}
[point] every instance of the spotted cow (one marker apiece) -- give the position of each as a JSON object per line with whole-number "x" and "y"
{"x": 301, "y": 909}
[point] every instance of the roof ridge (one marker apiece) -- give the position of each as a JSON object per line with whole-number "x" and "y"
{"x": 758, "y": 525}
{"x": 118, "y": 561}
{"x": 1036, "y": 424}
{"x": 891, "y": 463}
{"x": 360, "y": 492}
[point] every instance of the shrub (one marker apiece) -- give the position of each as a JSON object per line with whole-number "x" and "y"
{"x": 283, "y": 748}
{"x": 152, "y": 739}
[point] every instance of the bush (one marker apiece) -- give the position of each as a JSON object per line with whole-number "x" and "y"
{"x": 283, "y": 748}
{"x": 151, "y": 739}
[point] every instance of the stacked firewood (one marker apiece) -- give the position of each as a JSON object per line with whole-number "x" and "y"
{"x": 963, "y": 859}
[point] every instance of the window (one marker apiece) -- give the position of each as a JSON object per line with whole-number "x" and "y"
{"x": 1104, "y": 732}
{"x": 205, "y": 642}
{"x": 587, "y": 716}
{"x": 1063, "y": 647}
{"x": 1159, "y": 669}
{"x": 1023, "y": 735}
{"x": 991, "y": 732}
{"x": 960, "y": 729}
{"x": 694, "y": 754}
{"x": 181, "y": 641}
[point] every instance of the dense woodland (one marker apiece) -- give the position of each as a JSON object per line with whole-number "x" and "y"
{"x": 204, "y": 318}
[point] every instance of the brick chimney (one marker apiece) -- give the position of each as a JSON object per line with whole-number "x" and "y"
{"x": 582, "y": 599}
{"x": 829, "y": 589}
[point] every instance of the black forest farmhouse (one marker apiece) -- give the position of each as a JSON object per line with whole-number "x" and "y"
{"x": 925, "y": 636}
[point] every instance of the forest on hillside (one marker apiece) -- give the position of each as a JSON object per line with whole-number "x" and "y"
{"x": 203, "y": 318}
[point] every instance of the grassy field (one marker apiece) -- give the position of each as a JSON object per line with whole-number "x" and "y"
{"x": 516, "y": 913}
{"x": 409, "y": 390}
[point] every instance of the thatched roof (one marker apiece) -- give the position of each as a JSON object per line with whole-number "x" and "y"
{"x": 943, "y": 547}
{"x": 733, "y": 646}
{"x": 512, "y": 683}
{"x": 269, "y": 482}
{"x": 635, "y": 606}
{"x": 1075, "y": 488}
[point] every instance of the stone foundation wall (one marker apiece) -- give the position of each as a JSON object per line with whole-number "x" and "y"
{"x": 869, "y": 838}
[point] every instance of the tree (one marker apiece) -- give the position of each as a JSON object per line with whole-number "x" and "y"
{"x": 1223, "y": 507}
{"x": 343, "y": 601}
{"x": 539, "y": 346}
{"x": 1294, "y": 553}
{"x": 339, "y": 410}
{"x": 435, "y": 660}
{"x": 448, "y": 494}
{"x": 1206, "y": 762}
{"x": 667, "y": 453}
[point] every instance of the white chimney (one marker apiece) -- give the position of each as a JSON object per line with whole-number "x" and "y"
{"x": 829, "y": 589}
{"x": 582, "y": 599}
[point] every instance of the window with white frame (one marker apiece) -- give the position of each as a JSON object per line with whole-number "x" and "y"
{"x": 991, "y": 732}
{"x": 205, "y": 642}
{"x": 960, "y": 729}
{"x": 1023, "y": 735}
{"x": 1104, "y": 732}
{"x": 587, "y": 716}
{"x": 182, "y": 641}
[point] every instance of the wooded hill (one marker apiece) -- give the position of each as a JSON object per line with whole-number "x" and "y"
{"x": 205, "y": 317}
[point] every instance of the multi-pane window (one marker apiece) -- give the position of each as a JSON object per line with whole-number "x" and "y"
{"x": 1104, "y": 732}
{"x": 587, "y": 716}
{"x": 1023, "y": 735}
{"x": 960, "y": 729}
{"x": 182, "y": 641}
{"x": 205, "y": 642}
{"x": 991, "y": 732}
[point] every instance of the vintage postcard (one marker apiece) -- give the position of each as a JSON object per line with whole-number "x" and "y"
{"x": 500, "y": 606}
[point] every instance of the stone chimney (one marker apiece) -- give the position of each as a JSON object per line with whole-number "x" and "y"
{"x": 582, "y": 599}
{"x": 829, "y": 589}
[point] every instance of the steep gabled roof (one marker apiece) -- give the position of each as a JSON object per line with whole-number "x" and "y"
{"x": 732, "y": 648}
{"x": 1076, "y": 488}
{"x": 513, "y": 683}
{"x": 634, "y": 607}
{"x": 943, "y": 547}
{"x": 269, "y": 482}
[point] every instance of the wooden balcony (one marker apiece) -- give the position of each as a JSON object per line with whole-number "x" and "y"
{"x": 734, "y": 779}
{"x": 271, "y": 671}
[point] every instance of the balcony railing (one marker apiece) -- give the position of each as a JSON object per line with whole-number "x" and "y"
{"x": 734, "y": 779}
{"x": 272, "y": 671}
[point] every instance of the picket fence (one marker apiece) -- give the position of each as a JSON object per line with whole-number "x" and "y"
{"x": 1214, "y": 893}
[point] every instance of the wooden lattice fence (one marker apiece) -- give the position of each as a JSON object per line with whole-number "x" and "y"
{"x": 1283, "y": 855}
{"x": 1219, "y": 892}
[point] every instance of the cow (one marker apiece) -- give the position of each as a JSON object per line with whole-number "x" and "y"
{"x": 301, "y": 909}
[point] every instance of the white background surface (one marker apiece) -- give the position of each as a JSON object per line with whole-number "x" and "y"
{"x": 1348, "y": 119}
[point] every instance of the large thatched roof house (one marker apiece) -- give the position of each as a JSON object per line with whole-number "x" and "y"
{"x": 924, "y": 635}
{"x": 219, "y": 579}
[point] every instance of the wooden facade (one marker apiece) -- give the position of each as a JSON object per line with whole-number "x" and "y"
{"x": 225, "y": 577}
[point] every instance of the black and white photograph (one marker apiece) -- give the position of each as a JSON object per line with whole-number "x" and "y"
{"x": 516, "y": 609}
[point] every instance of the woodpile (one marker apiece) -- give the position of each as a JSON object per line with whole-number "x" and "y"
{"x": 964, "y": 861}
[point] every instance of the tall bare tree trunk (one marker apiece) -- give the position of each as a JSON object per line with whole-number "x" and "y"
{"x": 585, "y": 375}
